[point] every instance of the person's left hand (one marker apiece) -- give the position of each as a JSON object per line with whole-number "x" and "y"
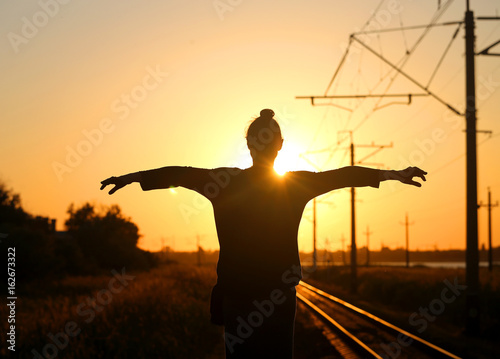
{"x": 406, "y": 176}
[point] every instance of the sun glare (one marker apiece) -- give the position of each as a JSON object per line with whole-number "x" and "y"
{"x": 289, "y": 159}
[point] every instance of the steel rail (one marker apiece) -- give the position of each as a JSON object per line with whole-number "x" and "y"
{"x": 379, "y": 321}
{"x": 359, "y": 344}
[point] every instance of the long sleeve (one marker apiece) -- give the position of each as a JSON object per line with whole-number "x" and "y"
{"x": 174, "y": 176}
{"x": 314, "y": 184}
{"x": 207, "y": 182}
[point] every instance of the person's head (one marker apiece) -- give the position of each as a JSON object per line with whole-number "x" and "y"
{"x": 264, "y": 138}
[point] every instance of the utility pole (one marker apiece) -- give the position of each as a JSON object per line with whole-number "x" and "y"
{"x": 327, "y": 256}
{"x": 343, "y": 249}
{"x": 472, "y": 252}
{"x": 315, "y": 258}
{"x": 490, "y": 248}
{"x": 354, "y": 275}
{"x": 367, "y": 245}
{"x": 164, "y": 250}
{"x": 200, "y": 250}
{"x": 354, "y": 279}
{"x": 407, "y": 224}
{"x": 315, "y": 252}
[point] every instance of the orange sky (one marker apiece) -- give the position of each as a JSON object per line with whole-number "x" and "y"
{"x": 91, "y": 90}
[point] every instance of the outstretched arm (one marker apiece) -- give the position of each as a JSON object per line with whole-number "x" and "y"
{"x": 404, "y": 176}
{"x": 316, "y": 183}
{"x": 165, "y": 177}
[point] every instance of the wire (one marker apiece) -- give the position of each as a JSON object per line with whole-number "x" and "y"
{"x": 400, "y": 64}
{"x": 489, "y": 35}
{"x": 414, "y": 27}
{"x": 406, "y": 57}
{"x": 462, "y": 155}
{"x": 444, "y": 54}
{"x": 373, "y": 15}
{"x": 319, "y": 128}
{"x": 403, "y": 124}
{"x": 403, "y": 33}
{"x": 439, "y": 169}
{"x": 380, "y": 48}
{"x": 339, "y": 66}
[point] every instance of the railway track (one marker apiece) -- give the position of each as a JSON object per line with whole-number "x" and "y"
{"x": 363, "y": 335}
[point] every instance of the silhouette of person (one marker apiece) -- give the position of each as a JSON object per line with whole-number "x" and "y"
{"x": 257, "y": 216}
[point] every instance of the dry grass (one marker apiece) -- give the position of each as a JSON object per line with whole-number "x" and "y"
{"x": 160, "y": 314}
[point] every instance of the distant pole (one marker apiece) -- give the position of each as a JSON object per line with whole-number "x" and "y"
{"x": 314, "y": 234}
{"x": 327, "y": 245}
{"x": 472, "y": 314}
{"x": 490, "y": 248}
{"x": 343, "y": 249}
{"x": 490, "y": 256}
{"x": 315, "y": 252}
{"x": 354, "y": 284}
{"x": 368, "y": 245}
{"x": 407, "y": 243}
{"x": 199, "y": 250}
{"x": 163, "y": 250}
{"x": 407, "y": 225}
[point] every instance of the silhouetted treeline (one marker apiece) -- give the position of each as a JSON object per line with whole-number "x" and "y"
{"x": 107, "y": 239}
{"x": 95, "y": 241}
{"x": 209, "y": 257}
{"x": 450, "y": 255}
{"x": 398, "y": 255}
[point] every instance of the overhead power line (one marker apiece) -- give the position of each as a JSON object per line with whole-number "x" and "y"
{"x": 472, "y": 310}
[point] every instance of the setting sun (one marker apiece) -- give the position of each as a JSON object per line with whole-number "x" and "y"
{"x": 290, "y": 159}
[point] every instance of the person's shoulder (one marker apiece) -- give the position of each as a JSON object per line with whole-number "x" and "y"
{"x": 212, "y": 170}
{"x": 299, "y": 178}
{"x": 299, "y": 174}
{"x": 229, "y": 170}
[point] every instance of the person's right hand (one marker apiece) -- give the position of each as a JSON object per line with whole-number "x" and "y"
{"x": 119, "y": 182}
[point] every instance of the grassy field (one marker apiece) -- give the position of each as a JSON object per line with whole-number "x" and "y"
{"x": 160, "y": 314}
{"x": 163, "y": 313}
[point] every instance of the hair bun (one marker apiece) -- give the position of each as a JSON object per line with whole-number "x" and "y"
{"x": 267, "y": 113}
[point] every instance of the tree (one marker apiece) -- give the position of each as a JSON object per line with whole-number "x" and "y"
{"x": 11, "y": 212}
{"x": 107, "y": 238}
{"x": 29, "y": 236}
